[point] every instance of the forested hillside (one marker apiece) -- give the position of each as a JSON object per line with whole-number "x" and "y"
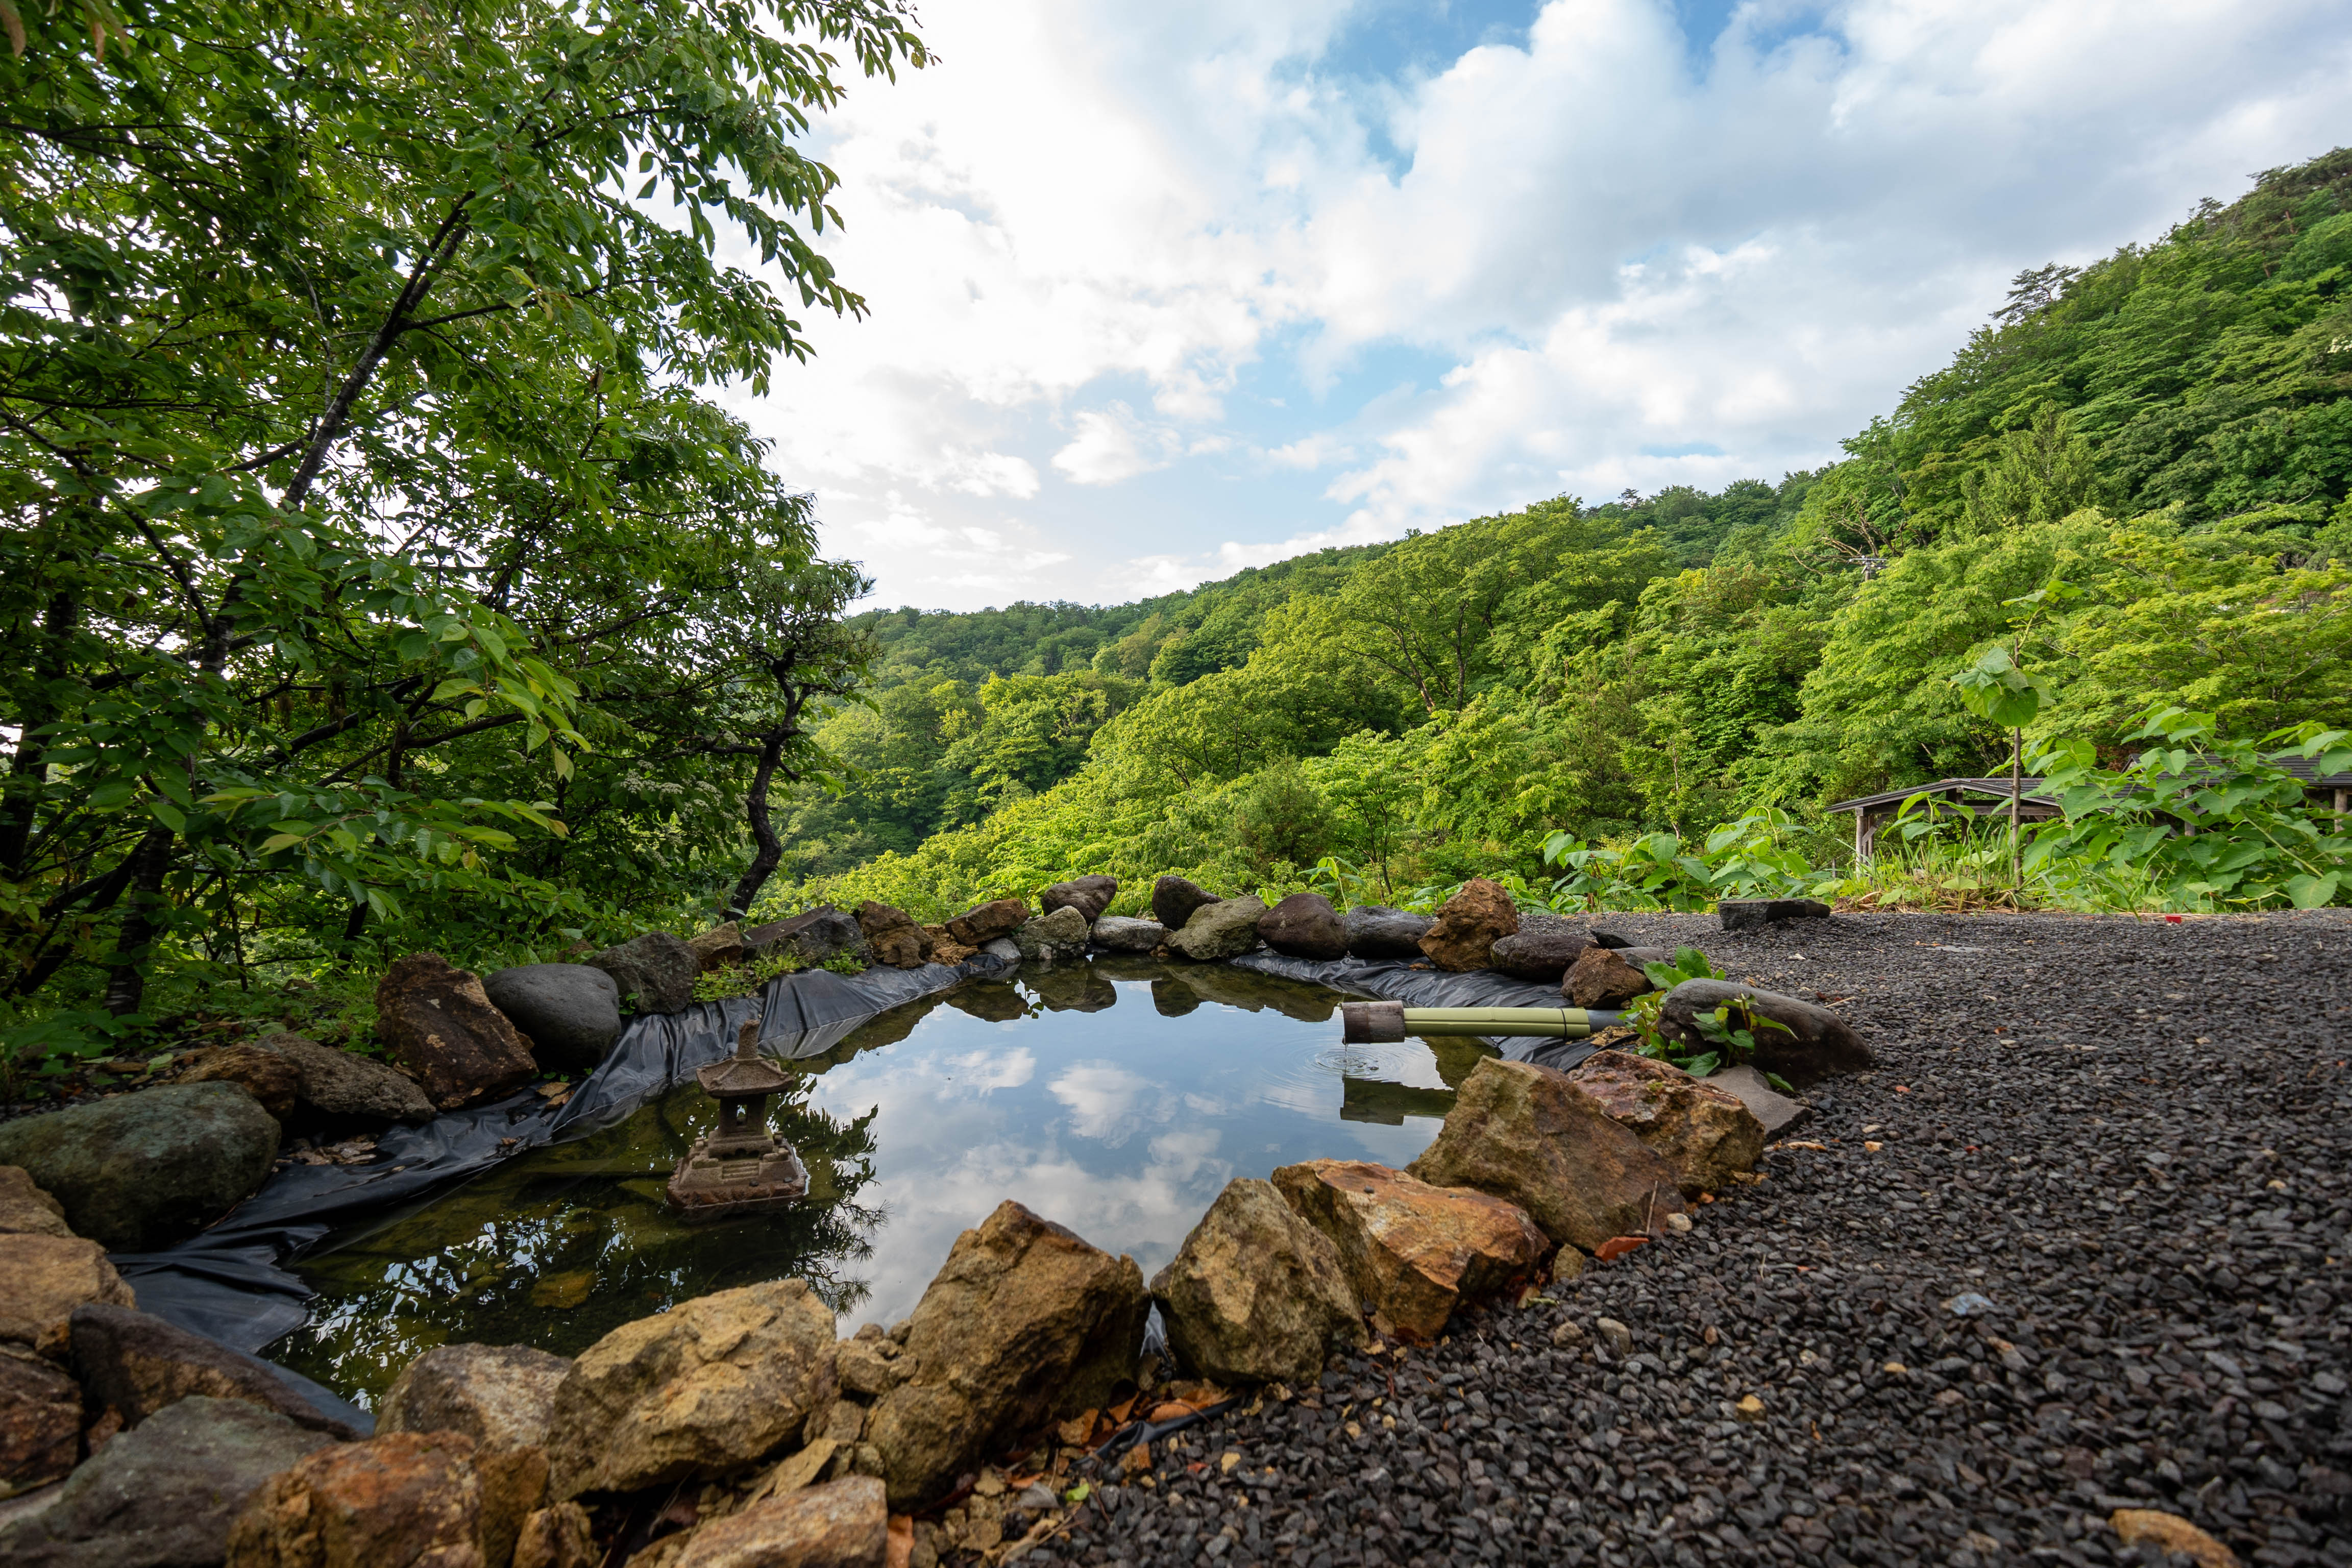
{"x": 2134, "y": 479}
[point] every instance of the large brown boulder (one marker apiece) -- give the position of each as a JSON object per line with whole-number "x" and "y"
{"x": 1256, "y": 1294}
{"x": 561, "y": 1535}
{"x": 25, "y": 1209}
{"x": 1304, "y": 925}
{"x": 1173, "y": 899}
{"x": 40, "y": 1421}
{"x": 893, "y": 935}
{"x": 1413, "y": 1251}
{"x": 692, "y": 1393}
{"x": 443, "y": 1033}
{"x": 1534, "y": 1136}
{"x": 138, "y": 1172}
{"x": 131, "y": 1364}
{"x": 1091, "y": 896}
{"x": 502, "y": 1396}
{"x": 44, "y": 1278}
{"x": 841, "y": 1524}
{"x": 274, "y": 1082}
{"x": 1469, "y": 926}
{"x": 346, "y": 1084}
{"x": 1226, "y": 928}
{"x": 1705, "y": 1133}
{"x": 1600, "y": 978}
{"x": 1541, "y": 950}
{"x": 418, "y": 1499}
{"x": 983, "y": 923}
{"x": 1813, "y": 1044}
{"x": 1025, "y": 1323}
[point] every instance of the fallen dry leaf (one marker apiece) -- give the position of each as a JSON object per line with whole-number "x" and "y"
{"x": 1617, "y": 1246}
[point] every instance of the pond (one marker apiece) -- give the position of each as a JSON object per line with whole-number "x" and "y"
{"x": 1117, "y": 1097}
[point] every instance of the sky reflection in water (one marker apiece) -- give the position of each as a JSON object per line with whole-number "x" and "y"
{"x": 1117, "y": 1099}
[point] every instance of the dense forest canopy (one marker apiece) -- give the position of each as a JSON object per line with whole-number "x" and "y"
{"x": 2164, "y": 436}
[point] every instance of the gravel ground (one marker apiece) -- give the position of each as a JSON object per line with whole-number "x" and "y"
{"x": 2129, "y": 1137}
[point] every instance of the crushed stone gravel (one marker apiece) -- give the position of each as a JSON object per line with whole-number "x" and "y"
{"x": 2127, "y": 1138}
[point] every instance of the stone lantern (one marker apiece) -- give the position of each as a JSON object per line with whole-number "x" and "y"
{"x": 742, "y": 1168}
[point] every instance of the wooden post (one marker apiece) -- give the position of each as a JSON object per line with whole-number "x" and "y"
{"x": 2016, "y": 778}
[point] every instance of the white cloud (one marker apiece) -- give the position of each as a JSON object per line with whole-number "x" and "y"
{"x": 1604, "y": 260}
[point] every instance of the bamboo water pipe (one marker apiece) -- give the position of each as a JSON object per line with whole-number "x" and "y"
{"x": 1375, "y": 1023}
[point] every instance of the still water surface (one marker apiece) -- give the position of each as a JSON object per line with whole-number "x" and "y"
{"x": 1117, "y": 1099}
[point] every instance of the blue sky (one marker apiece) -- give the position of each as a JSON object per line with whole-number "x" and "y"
{"x": 1160, "y": 292}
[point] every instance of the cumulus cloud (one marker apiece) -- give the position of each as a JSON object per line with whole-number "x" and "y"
{"x": 1137, "y": 276}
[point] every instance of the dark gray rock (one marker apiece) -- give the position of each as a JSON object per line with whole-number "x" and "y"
{"x": 1776, "y": 1111}
{"x": 143, "y": 1171}
{"x": 1755, "y": 914}
{"x": 812, "y": 937}
{"x": 137, "y": 1366}
{"x": 1376, "y": 930}
{"x": 1541, "y": 950}
{"x": 1173, "y": 899}
{"x": 1091, "y": 896}
{"x": 163, "y": 1494}
{"x": 572, "y": 1011}
{"x": 655, "y": 972}
{"x": 344, "y": 1083}
{"x": 1304, "y": 925}
{"x": 1815, "y": 1044}
{"x": 1117, "y": 933}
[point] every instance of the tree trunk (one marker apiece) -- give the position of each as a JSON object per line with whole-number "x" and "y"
{"x": 25, "y": 768}
{"x": 770, "y": 849}
{"x": 126, "y": 982}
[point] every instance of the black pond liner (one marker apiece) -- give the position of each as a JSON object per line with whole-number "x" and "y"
{"x": 230, "y": 1283}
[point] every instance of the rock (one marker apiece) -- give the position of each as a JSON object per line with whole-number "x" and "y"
{"x": 44, "y": 1278}
{"x": 992, "y": 1001}
{"x": 983, "y": 923}
{"x": 1117, "y": 933}
{"x": 1541, "y": 950}
{"x": 1024, "y": 1324}
{"x": 945, "y": 949}
{"x": 1703, "y": 1132}
{"x": 653, "y": 971}
{"x": 1814, "y": 1044}
{"x": 1060, "y": 936}
{"x": 1304, "y": 925}
{"x": 1469, "y": 925}
{"x": 163, "y": 1496}
{"x": 1755, "y": 914}
{"x": 25, "y": 1209}
{"x": 1256, "y": 1294}
{"x": 442, "y": 1031}
{"x": 692, "y": 1393}
{"x": 1173, "y": 999}
{"x": 1413, "y": 1252}
{"x": 343, "y": 1083}
{"x": 814, "y": 937}
{"x": 841, "y": 1524}
{"x": 40, "y": 1422}
{"x": 558, "y": 1537}
{"x": 1226, "y": 928}
{"x": 2171, "y": 1534}
{"x": 870, "y": 1368}
{"x": 1173, "y": 899}
{"x": 720, "y": 947}
{"x": 1615, "y": 1335}
{"x": 572, "y": 1011}
{"x": 1602, "y": 978}
{"x": 143, "y": 1171}
{"x": 501, "y": 1397}
{"x": 274, "y": 1082}
{"x": 131, "y": 1365}
{"x": 1539, "y": 1138}
{"x": 409, "y": 1499}
{"x": 1376, "y": 930}
{"x": 1003, "y": 949}
{"x": 1091, "y": 896}
{"x": 893, "y": 936}
{"x": 1776, "y": 1111}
